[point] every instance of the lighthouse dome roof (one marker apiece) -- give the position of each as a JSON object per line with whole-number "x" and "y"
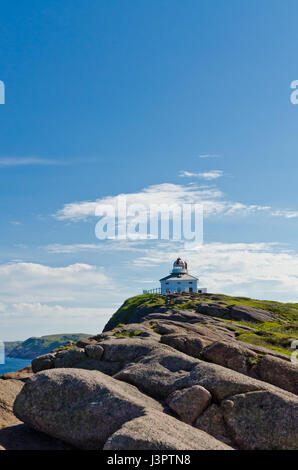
{"x": 179, "y": 262}
{"x": 179, "y": 266}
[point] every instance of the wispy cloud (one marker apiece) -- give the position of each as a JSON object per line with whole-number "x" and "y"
{"x": 164, "y": 195}
{"x": 286, "y": 213}
{"x": 110, "y": 245}
{"x": 260, "y": 270}
{"x": 209, "y": 155}
{"x": 11, "y": 162}
{"x": 207, "y": 175}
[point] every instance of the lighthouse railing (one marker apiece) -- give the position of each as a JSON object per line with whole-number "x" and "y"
{"x": 157, "y": 290}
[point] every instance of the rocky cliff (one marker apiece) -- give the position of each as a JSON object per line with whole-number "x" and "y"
{"x": 172, "y": 372}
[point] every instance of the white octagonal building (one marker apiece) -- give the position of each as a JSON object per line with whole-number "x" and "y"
{"x": 179, "y": 280}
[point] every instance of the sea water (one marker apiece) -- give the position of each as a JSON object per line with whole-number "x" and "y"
{"x": 13, "y": 363}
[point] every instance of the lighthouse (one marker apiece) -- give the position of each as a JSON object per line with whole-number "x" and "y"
{"x": 179, "y": 280}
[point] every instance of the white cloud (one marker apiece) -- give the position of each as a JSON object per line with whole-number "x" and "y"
{"x": 12, "y": 161}
{"x": 167, "y": 194}
{"x": 286, "y": 213}
{"x": 37, "y": 299}
{"x": 213, "y": 200}
{"x": 37, "y": 309}
{"x": 207, "y": 175}
{"x": 259, "y": 270}
{"x": 30, "y": 282}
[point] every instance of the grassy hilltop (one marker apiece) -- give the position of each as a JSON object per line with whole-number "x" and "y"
{"x": 276, "y": 334}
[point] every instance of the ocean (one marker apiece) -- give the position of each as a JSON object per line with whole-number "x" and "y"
{"x": 13, "y": 363}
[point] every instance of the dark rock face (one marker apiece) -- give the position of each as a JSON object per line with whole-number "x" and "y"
{"x": 178, "y": 380}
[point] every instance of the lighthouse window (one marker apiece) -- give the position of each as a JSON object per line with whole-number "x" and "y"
{"x": 190, "y": 282}
{"x": 178, "y": 282}
{"x": 167, "y": 283}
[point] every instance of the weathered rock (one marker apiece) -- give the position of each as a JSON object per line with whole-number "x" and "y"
{"x": 213, "y": 309}
{"x": 222, "y": 382}
{"x": 262, "y": 420}
{"x": 189, "y": 403}
{"x": 189, "y": 344}
{"x": 212, "y": 422}
{"x": 278, "y": 372}
{"x": 94, "y": 351}
{"x": 158, "y": 431}
{"x": 250, "y": 314}
{"x": 70, "y": 357}
{"x": 139, "y": 330}
{"x": 127, "y": 349}
{"x": 106, "y": 367}
{"x": 80, "y": 407}
{"x": 159, "y": 373}
{"x": 82, "y": 343}
{"x": 21, "y": 374}
{"x": 22, "y": 437}
{"x": 231, "y": 355}
{"x": 44, "y": 362}
{"x": 9, "y": 389}
{"x": 236, "y": 312}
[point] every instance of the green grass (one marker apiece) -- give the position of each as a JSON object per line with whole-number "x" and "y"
{"x": 255, "y": 360}
{"x": 275, "y": 342}
{"x": 127, "y": 334}
{"x": 275, "y": 335}
{"x": 145, "y": 301}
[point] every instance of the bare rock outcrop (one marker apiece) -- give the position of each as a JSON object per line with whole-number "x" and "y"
{"x": 171, "y": 378}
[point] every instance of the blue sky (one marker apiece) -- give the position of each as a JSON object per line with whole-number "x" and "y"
{"x": 115, "y": 97}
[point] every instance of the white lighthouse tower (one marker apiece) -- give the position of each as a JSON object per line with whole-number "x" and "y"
{"x": 179, "y": 280}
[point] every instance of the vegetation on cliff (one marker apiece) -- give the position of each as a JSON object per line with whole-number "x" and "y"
{"x": 276, "y": 335}
{"x": 34, "y": 346}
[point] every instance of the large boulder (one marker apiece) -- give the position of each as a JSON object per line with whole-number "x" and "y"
{"x": 212, "y": 422}
{"x": 191, "y": 344}
{"x": 158, "y": 431}
{"x": 44, "y": 362}
{"x": 262, "y": 420}
{"x": 189, "y": 403}
{"x": 159, "y": 373}
{"x": 80, "y": 407}
{"x": 283, "y": 374}
{"x": 70, "y": 357}
{"x": 231, "y": 355}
